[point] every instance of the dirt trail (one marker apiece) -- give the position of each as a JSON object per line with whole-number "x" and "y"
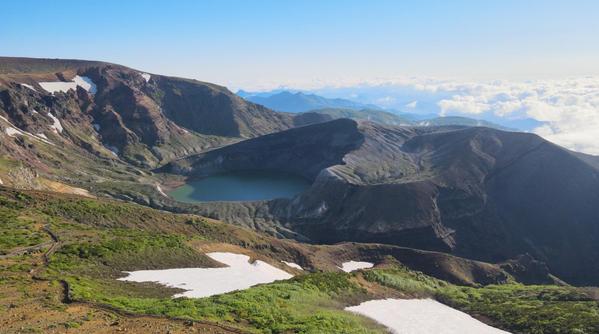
{"x": 26, "y": 250}
{"x": 34, "y": 304}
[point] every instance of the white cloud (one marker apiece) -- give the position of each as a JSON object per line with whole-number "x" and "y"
{"x": 569, "y": 108}
{"x": 385, "y": 101}
{"x": 412, "y": 104}
{"x": 468, "y": 104}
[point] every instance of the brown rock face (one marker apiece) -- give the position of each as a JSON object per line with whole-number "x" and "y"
{"x": 145, "y": 122}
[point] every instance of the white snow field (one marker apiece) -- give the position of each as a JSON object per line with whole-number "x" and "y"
{"x": 421, "y": 316}
{"x": 146, "y": 76}
{"x": 293, "y": 265}
{"x": 204, "y": 282}
{"x": 86, "y": 83}
{"x": 56, "y": 126}
{"x": 12, "y": 131}
{"x": 28, "y": 86}
{"x": 355, "y": 265}
{"x": 64, "y": 86}
{"x": 159, "y": 189}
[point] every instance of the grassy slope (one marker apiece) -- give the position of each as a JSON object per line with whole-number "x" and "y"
{"x": 534, "y": 309}
{"x": 99, "y": 239}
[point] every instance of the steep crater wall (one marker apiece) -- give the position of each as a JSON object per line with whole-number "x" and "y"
{"x": 304, "y": 151}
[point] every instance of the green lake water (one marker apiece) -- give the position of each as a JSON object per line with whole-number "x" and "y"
{"x": 241, "y": 186}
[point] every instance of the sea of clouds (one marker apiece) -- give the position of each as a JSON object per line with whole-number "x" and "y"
{"x": 564, "y": 111}
{"x": 569, "y": 108}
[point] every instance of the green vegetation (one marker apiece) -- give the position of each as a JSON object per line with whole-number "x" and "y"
{"x": 529, "y": 309}
{"x": 306, "y": 304}
{"x": 302, "y": 305}
{"x": 99, "y": 239}
{"x": 515, "y": 307}
{"x": 7, "y": 164}
{"x": 106, "y": 254}
{"x": 16, "y": 231}
{"x": 406, "y": 281}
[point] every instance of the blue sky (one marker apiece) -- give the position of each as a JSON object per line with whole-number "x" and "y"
{"x": 245, "y": 43}
{"x": 490, "y": 59}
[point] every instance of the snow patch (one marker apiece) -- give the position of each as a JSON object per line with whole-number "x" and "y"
{"x": 293, "y": 265}
{"x": 12, "y": 131}
{"x": 1, "y": 182}
{"x": 56, "y": 126}
{"x": 355, "y": 265}
{"x": 113, "y": 150}
{"x": 28, "y": 86}
{"x": 86, "y": 83}
{"x": 146, "y": 76}
{"x": 58, "y": 86}
{"x": 421, "y": 316}
{"x": 96, "y": 126}
{"x": 239, "y": 274}
{"x": 159, "y": 189}
{"x": 64, "y": 86}
{"x": 42, "y": 136}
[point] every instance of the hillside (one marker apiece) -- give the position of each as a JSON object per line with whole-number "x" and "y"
{"x": 391, "y": 118}
{"x": 492, "y": 223}
{"x": 475, "y": 192}
{"x": 75, "y": 249}
{"x": 143, "y": 118}
{"x": 372, "y": 115}
{"x": 463, "y": 121}
{"x": 93, "y": 127}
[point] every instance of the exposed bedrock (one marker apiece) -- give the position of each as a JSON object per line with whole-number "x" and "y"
{"x": 475, "y": 192}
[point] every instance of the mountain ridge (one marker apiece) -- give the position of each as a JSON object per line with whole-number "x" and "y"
{"x": 444, "y": 189}
{"x": 441, "y": 188}
{"x": 287, "y": 101}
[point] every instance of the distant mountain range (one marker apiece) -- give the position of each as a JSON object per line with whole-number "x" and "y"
{"x": 296, "y": 102}
{"x": 299, "y": 102}
{"x": 286, "y": 101}
{"x": 464, "y": 121}
{"x": 388, "y": 118}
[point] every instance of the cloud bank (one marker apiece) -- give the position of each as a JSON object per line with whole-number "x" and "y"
{"x": 565, "y": 111}
{"x": 568, "y": 108}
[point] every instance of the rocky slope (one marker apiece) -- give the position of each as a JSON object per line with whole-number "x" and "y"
{"x": 91, "y": 127}
{"x": 475, "y": 192}
{"x": 144, "y": 119}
